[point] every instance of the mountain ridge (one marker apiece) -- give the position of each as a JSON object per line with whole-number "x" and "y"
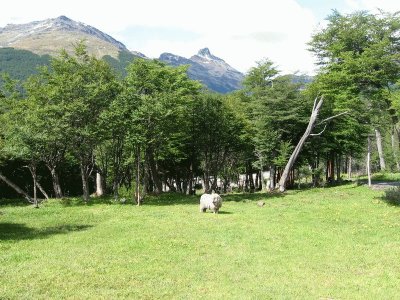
{"x": 49, "y": 36}
{"x": 211, "y": 70}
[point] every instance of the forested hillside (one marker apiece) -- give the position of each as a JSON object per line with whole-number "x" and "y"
{"x": 20, "y": 64}
{"x": 78, "y": 128}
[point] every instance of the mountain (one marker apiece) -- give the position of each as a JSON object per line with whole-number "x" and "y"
{"x": 51, "y": 35}
{"x": 23, "y": 47}
{"x": 212, "y": 71}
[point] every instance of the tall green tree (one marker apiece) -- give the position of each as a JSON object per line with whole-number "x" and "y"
{"x": 277, "y": 111}
{"x": 359, "y": 57}
{"x": 163, "y": 96}
{"x": 15, "y": 140}
{"x": 83, "y": 86}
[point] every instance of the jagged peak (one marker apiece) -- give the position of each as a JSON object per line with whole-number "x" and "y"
{"x": 205, "y": 53}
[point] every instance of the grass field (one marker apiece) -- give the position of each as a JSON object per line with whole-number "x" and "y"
{"x": 329, "y": 243}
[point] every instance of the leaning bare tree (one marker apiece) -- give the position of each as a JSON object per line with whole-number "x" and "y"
{"x": 15, "y": 188}
{"x": 307, "y": 133}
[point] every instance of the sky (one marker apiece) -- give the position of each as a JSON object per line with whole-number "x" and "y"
{"x": 241, "y": 32}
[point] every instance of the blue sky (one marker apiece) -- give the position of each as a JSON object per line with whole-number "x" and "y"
{"x": 239, "y": 31}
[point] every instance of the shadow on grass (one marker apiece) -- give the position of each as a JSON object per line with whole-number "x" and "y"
{"x": 307, "y": 187}
{"x": 68, "y": 201}
{"x": 391, "y": 202}
{"x": 180, "y": 199}
{"x": 16, "y": 231}
{"x": 221, "y": 212}
{"x": 171, "y": 199}
{"x": 14, "y": 202}
{"x": 392, "y": 196}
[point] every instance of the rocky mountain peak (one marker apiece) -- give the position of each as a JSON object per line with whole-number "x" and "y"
{"x": 205, "y": 54}
{"x": 212, "y": 71}
{"x": 18, "y": 33}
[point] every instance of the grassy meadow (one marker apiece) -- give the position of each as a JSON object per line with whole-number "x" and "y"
{"x": 329, "y": 243}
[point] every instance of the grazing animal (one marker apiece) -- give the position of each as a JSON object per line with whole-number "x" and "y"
{"x": 210, "y": 201}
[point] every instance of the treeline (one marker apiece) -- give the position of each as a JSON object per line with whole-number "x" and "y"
{"x": 77, "y": 128}
{"x": 20, "y": 64}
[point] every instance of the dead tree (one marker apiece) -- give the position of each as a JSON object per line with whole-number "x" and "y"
{"x": 313, "y": 118}
{"x": 16, "y": 188}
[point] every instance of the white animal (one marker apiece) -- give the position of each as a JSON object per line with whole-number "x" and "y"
{"x": 210, "y": 201}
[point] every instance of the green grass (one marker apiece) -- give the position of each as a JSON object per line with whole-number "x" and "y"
{"x": 341, "y": 243}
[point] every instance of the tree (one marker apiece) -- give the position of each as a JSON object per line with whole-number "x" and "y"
{"x": 359, "y": 55}
{"x": 277, "y": 111}
{"x": 160, "y": 129}
{"x": 83, "y": 87}
{"x": 218, "y": 131}
{"x": 12, "y": 143}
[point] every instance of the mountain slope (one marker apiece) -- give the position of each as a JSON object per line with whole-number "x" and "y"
{"x": 49, "y": 36}
{"x": 23, "y": 47}
{"x": 212, "y": 71}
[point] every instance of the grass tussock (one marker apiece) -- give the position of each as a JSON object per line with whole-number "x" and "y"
{"x": 338, "y": 243}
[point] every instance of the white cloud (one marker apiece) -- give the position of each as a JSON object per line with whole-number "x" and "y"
{"x": 241, "y": 32}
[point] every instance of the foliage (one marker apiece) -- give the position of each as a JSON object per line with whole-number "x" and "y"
{"x": 121, "y": 63}
{"x": 358, "y": 54}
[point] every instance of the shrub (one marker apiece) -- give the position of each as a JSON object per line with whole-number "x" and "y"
{"x": 392, "y": 196}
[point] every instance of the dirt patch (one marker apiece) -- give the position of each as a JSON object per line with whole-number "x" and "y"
{"x": 384, "y": 185}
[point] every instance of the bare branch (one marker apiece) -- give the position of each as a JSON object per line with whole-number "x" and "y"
{"x": 335, "y": 116}
{"x": 317, "y": 134}
{"x": 315, "y": 101}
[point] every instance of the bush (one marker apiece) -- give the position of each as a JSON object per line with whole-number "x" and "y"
{"x": 392, "y": 196}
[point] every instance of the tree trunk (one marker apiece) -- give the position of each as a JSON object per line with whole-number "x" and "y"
{"x": 85, "y": 183}
{"x": 115, "y": 189}
{"x": 349, "y": 166}
{"x": 42, "y": 190}
{"x": 178, "y": 184}
{"x": 137, "y": 177}
{"x": 262, "y": 179}
{"x": 206, "y": 181}
{"x": 15, "y": 188}
{"x": 315, "y": 172}
{"x": 250, "y": 177}
{"x": 272, "y": 178}
{"x": 56, "y": 181}
{"x": 380, "y": 149}
{"x": 154, "y": 172}
{"x": 99, "y": 185}
{"x": 338, "y": 167}
{"x": 293, "y": 157}
{"x": 330, "y": 167}
{"x": 395, "y": 149}
{"x": 32, "y": 169}
{"x": 190, "y": 179}
{"x": 369, "y": 161}
{"x": 184, "y": 186}
{"x": 137, "y": 180}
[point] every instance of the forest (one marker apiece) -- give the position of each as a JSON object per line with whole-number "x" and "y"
{"x": 78, "y": 128}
